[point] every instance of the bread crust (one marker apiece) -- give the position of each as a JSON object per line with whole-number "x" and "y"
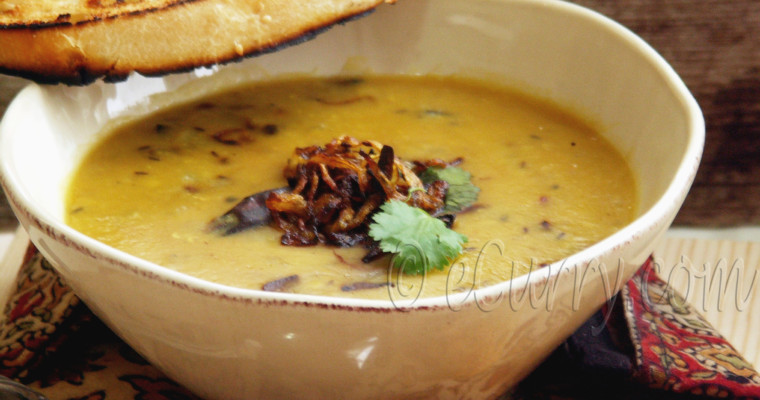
{"x": 39, "y": 14}
{"x": 180, "y": 35}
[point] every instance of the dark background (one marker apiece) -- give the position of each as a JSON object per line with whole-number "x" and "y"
{"x": 714, "y": 45}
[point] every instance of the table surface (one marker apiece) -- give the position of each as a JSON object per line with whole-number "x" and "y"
{"x": 714, "y": 47}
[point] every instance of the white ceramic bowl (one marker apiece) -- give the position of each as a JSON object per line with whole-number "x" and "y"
{"x": 228, "y": 343}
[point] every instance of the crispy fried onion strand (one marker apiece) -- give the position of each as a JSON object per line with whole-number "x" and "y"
{"x": 336, "y": 189}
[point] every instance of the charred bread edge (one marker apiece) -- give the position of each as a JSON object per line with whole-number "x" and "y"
{"x": 84, "y": 75}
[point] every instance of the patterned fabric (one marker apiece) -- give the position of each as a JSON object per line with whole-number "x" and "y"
{"x": 653, "y": 346}
{"x": 40, "y": 303}
{"x": 53, "y": 343}
{"x": 677, "y": 349}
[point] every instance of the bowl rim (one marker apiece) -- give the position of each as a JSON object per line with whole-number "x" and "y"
{"x": 653, "y": 218}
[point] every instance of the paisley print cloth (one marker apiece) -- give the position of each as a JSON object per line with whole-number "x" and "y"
{"x": 652, "y": 346}
{"x": 676, "y": 349}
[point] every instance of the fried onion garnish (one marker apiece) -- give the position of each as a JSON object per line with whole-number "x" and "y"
{"x": 335, "y": 189}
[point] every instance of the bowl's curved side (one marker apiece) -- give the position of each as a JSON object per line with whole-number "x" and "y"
{"x": 473, "y": 345}
{"x": 223, "y": 347}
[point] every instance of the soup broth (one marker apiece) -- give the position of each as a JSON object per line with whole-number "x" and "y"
{"x": 549, "y": 184}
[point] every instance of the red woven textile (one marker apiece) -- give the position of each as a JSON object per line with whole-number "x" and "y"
{"x": 676, "y": 349}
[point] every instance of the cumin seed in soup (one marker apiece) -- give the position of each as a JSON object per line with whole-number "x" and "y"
{"x": 549, "y": 185}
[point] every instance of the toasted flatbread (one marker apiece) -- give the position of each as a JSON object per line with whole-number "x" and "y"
{"x": 78, "y": 41}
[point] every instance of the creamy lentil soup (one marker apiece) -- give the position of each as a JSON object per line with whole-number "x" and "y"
{"x": 549, "y": 184}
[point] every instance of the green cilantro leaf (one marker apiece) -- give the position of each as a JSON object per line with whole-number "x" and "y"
{"x": 461, "y": 194}
{"x": 419, "y": 241}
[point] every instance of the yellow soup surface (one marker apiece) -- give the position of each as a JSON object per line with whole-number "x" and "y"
{"x": 549, "y": 184}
